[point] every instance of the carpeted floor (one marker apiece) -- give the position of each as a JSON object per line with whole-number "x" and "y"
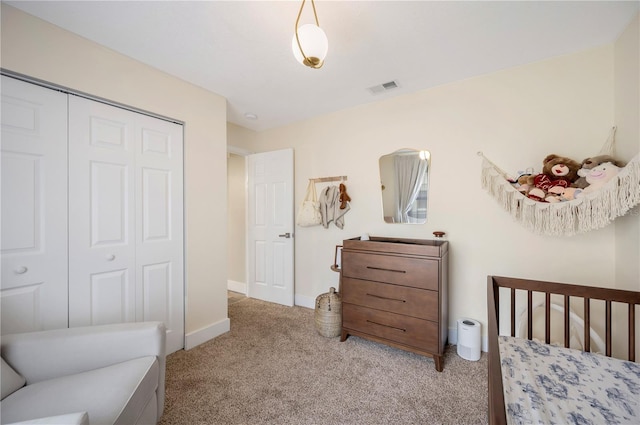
{"x": 274, "y": 368}
{"x": 234, "y": 297}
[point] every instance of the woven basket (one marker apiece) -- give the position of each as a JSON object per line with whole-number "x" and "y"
{"x": 328, "y": 316}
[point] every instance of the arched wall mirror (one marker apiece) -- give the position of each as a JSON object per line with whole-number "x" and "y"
{"x": 404, "y": 177}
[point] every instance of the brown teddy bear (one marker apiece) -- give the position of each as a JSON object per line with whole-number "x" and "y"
{"x": 558, "y": 172}
{"x": 592, "y": 162}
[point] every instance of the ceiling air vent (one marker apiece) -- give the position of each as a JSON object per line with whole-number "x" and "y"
{"x": 380, "y": 88}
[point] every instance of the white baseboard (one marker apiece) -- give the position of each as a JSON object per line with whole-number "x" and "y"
{"x": 453, "y": 339}
{"x": 235, "y": 286}
{"x": 195, "y": 338}
{"x": 304, "y": 301}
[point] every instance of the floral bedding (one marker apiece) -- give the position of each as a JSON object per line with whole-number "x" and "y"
{"x": 547, "y": 384}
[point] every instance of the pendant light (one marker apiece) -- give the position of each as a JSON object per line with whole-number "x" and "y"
{"x": 309, "y": 42}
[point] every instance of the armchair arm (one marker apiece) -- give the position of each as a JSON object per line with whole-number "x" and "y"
{"x": 50, "y": 354}
{"x": 80, "y": 418}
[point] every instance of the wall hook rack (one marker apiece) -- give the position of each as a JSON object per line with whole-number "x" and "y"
{"x": 329, "y": 179}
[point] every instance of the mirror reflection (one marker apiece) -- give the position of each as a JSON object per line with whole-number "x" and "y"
{"x": 404, "y": 176}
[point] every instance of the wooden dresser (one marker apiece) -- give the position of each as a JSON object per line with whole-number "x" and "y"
{"x": 394, "y": 291}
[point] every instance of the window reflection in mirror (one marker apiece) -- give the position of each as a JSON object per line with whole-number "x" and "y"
{"x": 404, "y": 176}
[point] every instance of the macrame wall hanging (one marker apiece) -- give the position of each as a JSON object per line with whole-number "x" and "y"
{"x": 591, "y": 211}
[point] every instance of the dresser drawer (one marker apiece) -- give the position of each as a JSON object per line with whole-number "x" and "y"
{"x": 413, "y": 302}
{"x": 407, "y": 271}
{"x": 410, "y": 331}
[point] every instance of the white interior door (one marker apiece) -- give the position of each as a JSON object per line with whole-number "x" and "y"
{"x": 126, "y": 215}
{"x": 34, "y": 207}
{"x": 270, "y": 226}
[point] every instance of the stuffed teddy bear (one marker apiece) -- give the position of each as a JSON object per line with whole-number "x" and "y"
{"x": 558, "y": 172}
{"x": 522, "y": 185}
{"x": 344, "y": 197}
{"x": 591, "y": 162}
{"x": 599, "y": 176}
{"x": 562, "y": 194}
{"x": 569, "y": 193}
{"x": 520, "y": 182}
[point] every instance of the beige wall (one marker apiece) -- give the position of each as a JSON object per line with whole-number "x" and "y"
{"x": 38, "y": 49}
{"x": 241, "y": 138}
{"x": 516, "y": 117}
{"x": 627, "y": 117}
{"x": 236, "y": 234}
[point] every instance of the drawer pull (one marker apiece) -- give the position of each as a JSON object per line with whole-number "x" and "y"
{"x": 386, "y": 298}
{"x": 386, "y": 270}
{"x": 386, "y": 326}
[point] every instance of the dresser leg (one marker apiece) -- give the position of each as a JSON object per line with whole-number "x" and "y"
{"x": 439, "y": 360}
{"x": 343, "y": 336}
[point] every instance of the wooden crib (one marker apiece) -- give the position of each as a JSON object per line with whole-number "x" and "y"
{"x": 571, "y": 294}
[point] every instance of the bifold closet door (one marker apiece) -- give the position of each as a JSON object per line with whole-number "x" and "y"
{"x": 126, "y": 218}
{"x": 34, "y": 207}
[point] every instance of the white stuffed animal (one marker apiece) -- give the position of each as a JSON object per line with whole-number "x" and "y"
{"x": 599, "y": 176}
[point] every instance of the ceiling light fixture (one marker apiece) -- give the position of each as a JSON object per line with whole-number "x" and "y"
{"x": 309, "y": 42}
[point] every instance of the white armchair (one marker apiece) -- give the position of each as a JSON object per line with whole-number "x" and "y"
{"x": 109, "y": 374}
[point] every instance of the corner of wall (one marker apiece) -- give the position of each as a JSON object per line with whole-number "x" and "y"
{"x": 202, "y": 335}
{"x": 627, "y": 118}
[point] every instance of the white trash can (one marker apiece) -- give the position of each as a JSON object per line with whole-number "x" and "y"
{"x": 469, "y": 344}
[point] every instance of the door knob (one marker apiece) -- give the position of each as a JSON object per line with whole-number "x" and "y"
{"x": 111, "y": 257}
{"x": 21, "y": 270}
{"x": 285, "y": 235}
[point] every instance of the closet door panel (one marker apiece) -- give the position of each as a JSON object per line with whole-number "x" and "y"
{"x": 110, "y": 297}
{"x": 126, "y": 238}
{"x": 101, "y": 213}
{"x": 159, "y": 229}
{"x": 33, "y": 292}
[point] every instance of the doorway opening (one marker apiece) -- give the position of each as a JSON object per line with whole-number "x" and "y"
{"x": 236, "y": 224}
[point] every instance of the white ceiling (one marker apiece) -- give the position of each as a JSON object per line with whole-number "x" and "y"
{"x": 242, "y": 49}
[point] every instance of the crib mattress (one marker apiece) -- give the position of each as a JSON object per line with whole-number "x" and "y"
{"x": 547, "y": 384}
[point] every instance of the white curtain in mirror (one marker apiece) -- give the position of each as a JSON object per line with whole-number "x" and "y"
{"x": 411, "y": 172}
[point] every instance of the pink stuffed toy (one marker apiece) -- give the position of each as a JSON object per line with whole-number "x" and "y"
{"x": 599, "y": 176}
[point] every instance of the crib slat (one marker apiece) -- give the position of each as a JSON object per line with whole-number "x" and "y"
{"x": 529, "y": 314}
{"x": 608, "y": 327}
{"x": 567, "y": 337}
{"x": 547, "y": 318}
{"x": 513, "y": 312}
{"x": 496, "y": 298}
{"x": 632, "y": 333}
{"x": 587, "y": 325}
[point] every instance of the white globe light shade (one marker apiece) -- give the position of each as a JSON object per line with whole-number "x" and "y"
{"x": 314, "y": 44}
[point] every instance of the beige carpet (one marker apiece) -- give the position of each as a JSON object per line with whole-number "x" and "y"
{"x": 274, "y": 368}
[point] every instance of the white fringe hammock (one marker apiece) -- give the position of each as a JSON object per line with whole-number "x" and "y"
{"x": 589, "y": 212}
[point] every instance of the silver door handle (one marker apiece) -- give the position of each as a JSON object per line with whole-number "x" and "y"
{"x": 285, "y": 235}
{"x": 21, "y": 270}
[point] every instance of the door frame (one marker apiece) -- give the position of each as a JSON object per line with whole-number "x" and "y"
{"x": 245, "y": 153}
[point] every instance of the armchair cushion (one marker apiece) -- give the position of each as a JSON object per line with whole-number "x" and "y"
{"x": 115, "y": 373}
{"x": 11, "y": 380}
{"x": 101, "y": 393}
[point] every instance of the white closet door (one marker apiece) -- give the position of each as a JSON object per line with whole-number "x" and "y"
{"x": 159, "y": 227}
{"x": 126, "y": 215}
{"x": 34, "y": 207}
{"x": 101, "y": 214}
